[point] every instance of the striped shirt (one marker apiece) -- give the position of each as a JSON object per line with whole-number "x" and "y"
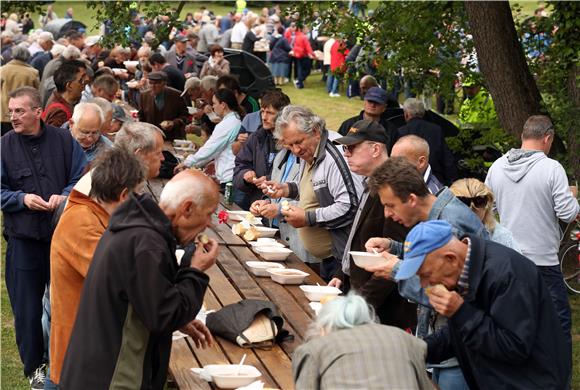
{"x": 463, "y": 282}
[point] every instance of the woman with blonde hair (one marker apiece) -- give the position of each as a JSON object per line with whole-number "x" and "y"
{"x": 349, "y": 350}
{"x": 479, "y": 198}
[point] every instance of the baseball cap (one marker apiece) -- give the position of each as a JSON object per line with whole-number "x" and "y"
{"x": 377, "y": 95}
{"x": 180, "y": 38}
{"x": 92, "y": 40}
{"x": 190, "y": 83}
{"x": 157, "y": 76}
{"x": 423, "y": 239}
{"x": 364, "y": 130}
{"x": 119, "y": 114}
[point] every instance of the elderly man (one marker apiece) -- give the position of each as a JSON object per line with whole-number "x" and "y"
{"x": 15, "y": 74}
{"x": 185, "y": 62}
{"x": 104, "y": 86}
{"x": 441, "y": 160}
{"x": 254, "y": 162}
{"x": 502, "y": 325}
{"x": 328, "y": 192}
{"x": 85, "y": 126}
{"x": 416, "y": 150}
{"x": 40, "y": 165}
{"x": 365, "y": 149}
{"x": 376, "y": 108}
{"x": 531, "y": 195}
{"x": 41, "y": 54}
{"x": 163, "y": 106}
{"x": 70, "y": 80}
{"x": 137, "y": 290}
{"x": 116, "y": 174}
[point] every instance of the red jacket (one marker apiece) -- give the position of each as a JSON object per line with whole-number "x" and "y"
{"x": 301, "y": 47}
{"x": 338, "y": 53}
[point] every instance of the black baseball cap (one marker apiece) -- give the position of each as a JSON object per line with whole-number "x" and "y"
{"x": 364, "y": 130}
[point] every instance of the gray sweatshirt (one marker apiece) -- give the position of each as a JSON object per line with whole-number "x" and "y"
{"x": 531, "y": 194}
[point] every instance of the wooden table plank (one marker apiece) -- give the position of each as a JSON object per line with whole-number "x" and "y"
{"x": 180, "y": 364}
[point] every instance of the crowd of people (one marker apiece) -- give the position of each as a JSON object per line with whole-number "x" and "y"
{"x": 465, "y": 298}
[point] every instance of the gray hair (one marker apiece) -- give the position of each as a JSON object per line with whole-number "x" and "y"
{"x": 71, "y": 52}
{"x": 144, "y": 50}
{"x": 105, "y": 105}
{"x": 301, "y": 116}
{"x": 414, "y": 107}
{"x": 178, "y": 191}
{"x": 342, "y": 313}
{"x": 81, "y": 109}
{"x": 209, "y": 82}
{"x": 57, "y": 49}
{"x": 20, "y": 53}
{"x": 137, "y": 135}
{"x": 537, "y": 126}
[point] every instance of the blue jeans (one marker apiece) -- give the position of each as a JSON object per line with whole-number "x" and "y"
{"x": 332, "y": 83}
{"x": 449, "y": 378}
{"x": 554, "y": 280}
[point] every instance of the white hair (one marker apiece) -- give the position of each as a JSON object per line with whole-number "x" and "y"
{"x": 342, "y": 313}
{"x": 209, "y": 82}
{"x": 81, "y": 110}
{"x": 57, "y": 49}
{"x": 301, "y": 116}
{"x": 185, "y": 188}
{"x": 71, "y": 52}
{"x": 138, "y": 135}
{"x": 104, "y": 104}
{"x": 414, "y": 107}
{"x": 44, "y": 36}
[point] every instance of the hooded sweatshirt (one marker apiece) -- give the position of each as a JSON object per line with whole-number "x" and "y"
{"x": 134, "y": 297}
{"x": 531, "y": 193}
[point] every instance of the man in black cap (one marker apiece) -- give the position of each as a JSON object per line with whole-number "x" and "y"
{"x": 365, "y": 148}
{"x": 163, "y": 107}
{"x": 377, "y": 107}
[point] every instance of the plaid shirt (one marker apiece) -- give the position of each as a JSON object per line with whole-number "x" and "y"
{"x": 463, "y": 282}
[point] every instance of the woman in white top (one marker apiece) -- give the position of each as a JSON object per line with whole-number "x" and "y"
{"x": 218, "y": 147}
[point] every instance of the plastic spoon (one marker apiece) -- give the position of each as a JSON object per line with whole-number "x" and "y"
{"x": 375, "y": 251}
{"x": 240, "y": 365}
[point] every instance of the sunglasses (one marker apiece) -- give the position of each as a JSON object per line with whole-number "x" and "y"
{"x": 478, "y": 202}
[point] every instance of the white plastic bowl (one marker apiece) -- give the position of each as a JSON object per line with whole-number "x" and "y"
{"x": 273, "y": 253}
{"x": 315, "y": 306}
{"x": 259, "y": 268}
{"x": 287, "y": 275}
{"x": 261, "y": 244}
{"x": 266, "y": 231}
{"x": 192, "y": 110}
{"x": 316, "y": 293}
{"x": 225, "y": 375}
{"x": 237, "y": 216}
{"x": 366, "y": 259}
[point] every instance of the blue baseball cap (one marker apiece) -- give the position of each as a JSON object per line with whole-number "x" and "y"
{"x": 423, "y": 239}
{"x": 377, "y": 95}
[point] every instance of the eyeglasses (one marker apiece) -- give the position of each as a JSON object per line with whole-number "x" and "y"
{"x": 478, "y": 202}
{"x": 20, "y": 111}
{"x": 88, "y": 134}
{"x": 350, "y": 148}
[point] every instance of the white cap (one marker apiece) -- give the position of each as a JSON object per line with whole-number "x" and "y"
{"x": 57, "y": 49}
{"x": 92, "y": 40}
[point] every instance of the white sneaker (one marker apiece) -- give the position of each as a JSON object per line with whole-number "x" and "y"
{"x": 38, "y": 377}
{"x": 335, "y": 94}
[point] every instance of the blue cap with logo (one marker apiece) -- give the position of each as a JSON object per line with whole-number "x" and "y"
{"x": 423, "y": 239}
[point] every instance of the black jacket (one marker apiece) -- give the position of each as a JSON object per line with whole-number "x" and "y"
{"x": 256, "y": 155}
{"x": 440, "y": 158}
{"x": 389, "y": 128}
{"x": 506, "y": 335}
{"x": 382, "y": 294}
{"x": 134, "y": 297}
{"x": 280, "y": 49}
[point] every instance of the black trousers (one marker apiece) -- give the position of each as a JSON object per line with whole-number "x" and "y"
{"x": 27, "y": 276}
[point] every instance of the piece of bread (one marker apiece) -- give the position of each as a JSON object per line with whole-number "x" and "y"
{"x": 238, "y": 229}
{"x": 285, "y": 205}
{"x": 429, "y": 289}
{"x": 203, "y": 238}
{"x": 251, "y": 234}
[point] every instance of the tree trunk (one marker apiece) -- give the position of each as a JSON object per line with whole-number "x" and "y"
{"x": 574, "y": 131}
{"x": 503, "y": 64}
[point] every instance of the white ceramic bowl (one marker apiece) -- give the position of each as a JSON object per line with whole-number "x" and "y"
{"x": 259, "y": 268}
{"x": 266, "y": 231}
{"x": 366, "y": 259}
{"x": 226, "y": 376}
{"x": 315, "y": 293}
{"x": 287, "y": 275}
{"x": 129, "y": 64}
{"x": 273, "y": 253}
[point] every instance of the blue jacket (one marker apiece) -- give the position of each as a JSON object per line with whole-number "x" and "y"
{"x": 48, "y": 164}
{"x": 256, "y": 155}
{"x": 280, "y": 49}
{"x": 506, "y": 335}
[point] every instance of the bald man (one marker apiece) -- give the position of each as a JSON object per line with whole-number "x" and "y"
{"x": 416, "y": 150}
{"x": 136, "y": 294}
{"x": 365, "y": 83}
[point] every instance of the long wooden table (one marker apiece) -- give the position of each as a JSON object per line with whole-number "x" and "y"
{"x": 231, "y": 281}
